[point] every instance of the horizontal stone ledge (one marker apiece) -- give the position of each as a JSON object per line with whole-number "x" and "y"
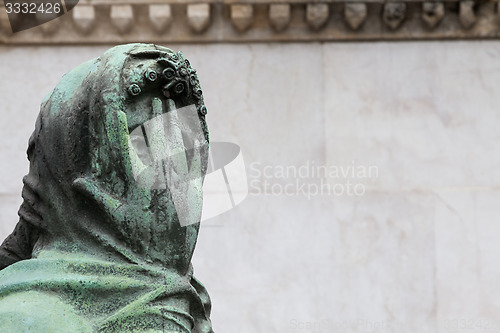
{"x": 229, "y": 2}
{"x": 243, "y": 22}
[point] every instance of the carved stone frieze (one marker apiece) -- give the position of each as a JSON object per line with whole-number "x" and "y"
{"x": 182, "y": 21}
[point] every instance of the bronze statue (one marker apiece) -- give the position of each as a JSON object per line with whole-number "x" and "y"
{"x": 112, "y": 202}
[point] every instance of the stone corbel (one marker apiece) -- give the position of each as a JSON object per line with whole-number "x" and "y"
{"x": 182, "y": 21}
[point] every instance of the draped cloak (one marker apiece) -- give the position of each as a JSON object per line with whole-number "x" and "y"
{"x": 69, "y": 266}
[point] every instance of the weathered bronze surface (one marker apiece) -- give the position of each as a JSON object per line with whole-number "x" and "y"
{"x": 101, "y": 244}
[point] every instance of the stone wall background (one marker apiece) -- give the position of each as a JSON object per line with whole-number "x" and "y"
{"x": 416, "y": 252}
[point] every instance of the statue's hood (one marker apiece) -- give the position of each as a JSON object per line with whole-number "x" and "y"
{"x": 80, "y": 134}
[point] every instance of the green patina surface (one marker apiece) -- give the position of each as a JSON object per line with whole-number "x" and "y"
{"x": 100, "y": 247}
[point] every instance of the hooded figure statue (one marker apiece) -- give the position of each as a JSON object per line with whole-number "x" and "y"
{"x": 112, "y": 202}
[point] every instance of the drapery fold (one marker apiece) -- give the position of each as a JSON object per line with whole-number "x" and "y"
{"x": 72, "y": 255}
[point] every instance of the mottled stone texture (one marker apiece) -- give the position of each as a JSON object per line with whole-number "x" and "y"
{"x": 95, "y": 250}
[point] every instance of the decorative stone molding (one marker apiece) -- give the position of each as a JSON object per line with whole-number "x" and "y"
{"x": 160, "y": 16}
{"x": 317, "y": 15}
{"x": 4, "y": 23}
{"x": 242, "y": 16}
{"x": 432, "y": 13}
{"x": 122, "y": 17}
{"x": 84, "y": 18}
{"x": 394, "y": 14}
{"x": 467, "y": 15}
{"x": 355, "y": 14}
{"x": 198, "y": 16}
{"x": 279, "y": 16}
{"x": 182, "y": 21}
